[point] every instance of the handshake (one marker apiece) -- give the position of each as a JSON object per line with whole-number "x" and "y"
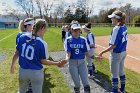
{"x": 61, "y": 63}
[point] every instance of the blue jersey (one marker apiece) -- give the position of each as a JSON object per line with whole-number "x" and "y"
{"x": 119, "y": 38}
{"x": 31, "y": 51}
{"x": 77, "y": 47}
{"x": 20, "y": 34}
{"x": 90, "y": 39}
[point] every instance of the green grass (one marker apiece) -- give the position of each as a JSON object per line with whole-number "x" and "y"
{"x": 104, "y": 31}
{"x": 132, "y": 78}
{"x": 53, "y": 77}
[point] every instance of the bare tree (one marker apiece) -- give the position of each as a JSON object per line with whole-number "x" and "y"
{"x": 13, "y": 12}
{"x": 127, "y": 9}
{"x": 26, "y": 5}
{"x": 47, "y": 9}
{"x": 39, "y": 4}
{"x": 90, "y": 9}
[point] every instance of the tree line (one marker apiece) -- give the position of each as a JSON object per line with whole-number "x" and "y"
{"x": 63, "y": 12}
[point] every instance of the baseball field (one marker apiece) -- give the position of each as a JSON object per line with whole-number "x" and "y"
{"x": 53, "y": 77}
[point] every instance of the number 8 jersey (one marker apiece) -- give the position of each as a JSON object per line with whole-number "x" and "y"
{"x": 31, "y": 51}
{"x": 76, "y": 46}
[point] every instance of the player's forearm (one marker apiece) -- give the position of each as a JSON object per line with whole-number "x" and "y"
{"x": 48, "y": 62}
{"x": 108, "y": 49}
{"x": 15, "y": 57}
{"x": 68, "y": 56}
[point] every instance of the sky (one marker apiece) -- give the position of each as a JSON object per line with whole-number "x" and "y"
{"x": 98, "y": 4}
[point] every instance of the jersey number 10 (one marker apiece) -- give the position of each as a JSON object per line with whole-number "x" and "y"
{"x": 28, "y": 52}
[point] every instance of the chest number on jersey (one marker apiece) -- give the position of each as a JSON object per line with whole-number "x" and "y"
{"x": 76, "y": 51}
{"x": 28, "y": 53}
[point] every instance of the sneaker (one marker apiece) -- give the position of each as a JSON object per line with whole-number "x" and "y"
{"x": 76, "y": 90}
{"x": 87, "y": 89}
{"x": 90, "y": 76}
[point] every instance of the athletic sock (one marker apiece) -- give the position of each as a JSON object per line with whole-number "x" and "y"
{"x": 115, "y": 85}
{"x": 122, "y": 82}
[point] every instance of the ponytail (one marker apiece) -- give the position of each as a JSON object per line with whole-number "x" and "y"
{"x": 21, "y": 25}
{"x": 39, "y": 24}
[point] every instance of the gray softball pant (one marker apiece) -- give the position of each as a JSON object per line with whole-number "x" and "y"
{"x": 117, "y": 64}
{"x": 90, "y": 60}
{"x": 36, "y": 78}
{"x": 78, "y": 69}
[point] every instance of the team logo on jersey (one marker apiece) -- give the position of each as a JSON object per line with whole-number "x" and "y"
{"x": 69, "y": 40}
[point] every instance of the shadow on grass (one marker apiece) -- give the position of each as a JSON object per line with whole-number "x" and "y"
{"x": 47, "y": 85}
{"x": 104, "y": 81}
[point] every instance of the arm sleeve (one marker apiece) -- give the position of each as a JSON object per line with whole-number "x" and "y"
{"x": 115, "y": 36}
{"x": 87, "y": 48}
{"x": 91, "y": 38}
{"x": 44, "y": 51}
{"x": 67, "y": 46}
{"x": 18, "y": 44}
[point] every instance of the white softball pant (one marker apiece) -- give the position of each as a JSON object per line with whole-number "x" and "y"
{"x": 78, "y": 69}
{"x": 117, "y": 64}
{"x": 36, "y": 78}
{"x": 90, "y": 60}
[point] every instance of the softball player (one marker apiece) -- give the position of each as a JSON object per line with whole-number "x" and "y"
{"x": 68, "y": 32}
{"x": 91, "y": 42}
{"x": 25, "y": 26}
{"x": 117, "y": 46}
{"x": 32, "y": 51}
{"x": 68, "y": 29}
{"x": 77, "y": 47}
{"x": 63, "y": 33}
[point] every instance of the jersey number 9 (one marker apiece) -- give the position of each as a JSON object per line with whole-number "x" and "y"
{"x": 76, "y": 51}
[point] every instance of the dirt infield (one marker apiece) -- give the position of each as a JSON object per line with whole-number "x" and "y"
{"x": 133, "y": 50}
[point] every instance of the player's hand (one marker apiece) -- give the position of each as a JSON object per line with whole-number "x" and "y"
{"x": 13, "y": 68}
{"x": 100, "y": 54}
{"x": 98, "y": 58}
{"x": 62, "y": 63}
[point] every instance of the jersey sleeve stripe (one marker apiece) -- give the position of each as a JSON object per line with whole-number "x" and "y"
{"x": 90, "y": 39}
{"x": 46, "y": 48}
{"x": 114, "y": 35}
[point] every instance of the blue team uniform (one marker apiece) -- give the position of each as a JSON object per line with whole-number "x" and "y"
{"x": 31, "y": 51}
{"x": 20, "y": 34}
{"x": 118, "y": 54}
{"x": 77, "y": 47}
{"x": 119, "y": 39}
{"x": 90, "y": 39}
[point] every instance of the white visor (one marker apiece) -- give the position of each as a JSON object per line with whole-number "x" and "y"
{"x": 76, "y": 26}
{"x": 113, "y": 15}
{"x": 29, "y": 23}
{"x": 85, "y": 27}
